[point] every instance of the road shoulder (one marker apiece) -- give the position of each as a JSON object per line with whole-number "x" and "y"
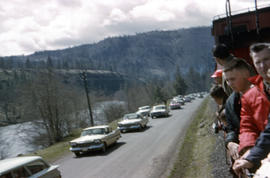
{"x": 198, "y": 153}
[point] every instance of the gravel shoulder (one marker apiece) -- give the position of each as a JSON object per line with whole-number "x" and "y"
{"x": 202, "y": 153}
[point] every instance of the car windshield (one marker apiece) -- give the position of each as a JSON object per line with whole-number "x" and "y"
{"x": 144, "y": 107}
{"x": 160, "y": 107}
{"x": 131, "y": 116}
{"x": 96, "y": 131}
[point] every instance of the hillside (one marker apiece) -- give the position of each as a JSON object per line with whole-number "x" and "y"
{"x": 150, "y": 54}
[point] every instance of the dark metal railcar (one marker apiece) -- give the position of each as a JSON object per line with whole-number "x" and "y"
{"x": 238, "y": 30}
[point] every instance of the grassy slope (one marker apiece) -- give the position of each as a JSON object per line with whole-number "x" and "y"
{"x": 194, "y": 155}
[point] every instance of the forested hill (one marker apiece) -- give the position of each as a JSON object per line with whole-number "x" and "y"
{"x": 155, "y": 54}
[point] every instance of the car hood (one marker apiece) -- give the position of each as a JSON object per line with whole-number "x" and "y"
{"x": 143, "y": 110}
{"x": 129, "y": 121}
{"x": 87, "y": 138}
{"x": 159, "y": 110}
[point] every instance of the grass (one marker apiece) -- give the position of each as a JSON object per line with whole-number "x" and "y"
{"x": 60, "y": 149}
{"x": 194, "y": 155}
{"x": 56, "y": 151}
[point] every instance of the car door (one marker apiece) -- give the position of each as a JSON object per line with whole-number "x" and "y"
{"x": 110, "y": 136}
{"x": 145, "y": 120}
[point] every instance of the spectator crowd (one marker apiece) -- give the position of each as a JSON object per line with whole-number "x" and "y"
{"x": 242, "y": 93}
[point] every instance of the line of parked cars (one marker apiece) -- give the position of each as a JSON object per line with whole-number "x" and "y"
{"x": 100, "y": 137}
{"x": 92, "y": 138}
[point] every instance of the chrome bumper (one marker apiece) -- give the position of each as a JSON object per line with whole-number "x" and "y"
{"x": 83, "y": 149}
{"x": 131, "y": 127}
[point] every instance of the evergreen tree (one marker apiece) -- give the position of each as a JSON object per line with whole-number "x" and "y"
{"x": 179, "y": 85}
{"x": 28, "y": 64}
{"x": 49, "y": 62}
{"x": 193, "y": 79}
{"x": 160, "y": 95}
{"x": 65, "y": 65}
{"x": 59, "y": 66}
{"x": 2, "y": 64}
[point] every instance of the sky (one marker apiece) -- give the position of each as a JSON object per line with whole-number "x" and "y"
{"x": 27, "y": 26}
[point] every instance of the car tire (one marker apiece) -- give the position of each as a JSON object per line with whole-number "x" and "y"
{"x": 104, "y": 148}
{"x": 77, "y": 154}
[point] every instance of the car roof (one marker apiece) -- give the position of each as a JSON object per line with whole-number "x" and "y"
{"x": 143, "y": 107}
{"x": 13, "y": 163}
{"x": 131, "y": 114}
{"x": 159, "y": 105}
{"x": 97, "y": 127}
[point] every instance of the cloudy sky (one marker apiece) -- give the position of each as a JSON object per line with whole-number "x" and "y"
{"x": 33, "y": 25}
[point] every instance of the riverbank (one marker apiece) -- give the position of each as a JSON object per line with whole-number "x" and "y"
{"x": 61, "y": 149}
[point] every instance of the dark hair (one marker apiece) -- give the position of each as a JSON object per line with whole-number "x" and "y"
{"x": 217, "y": 92}
{"x": 238, "y": 64}
{"x": 257, "y": 47}
{"x": 221, "y": 51}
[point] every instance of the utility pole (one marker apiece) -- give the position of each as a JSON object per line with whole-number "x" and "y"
{"x": 84, "y": 78}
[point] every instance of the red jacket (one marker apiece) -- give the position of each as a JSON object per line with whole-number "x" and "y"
{"x": 254, "y": 113}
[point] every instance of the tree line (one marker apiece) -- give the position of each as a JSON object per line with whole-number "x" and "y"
{"x": 55, "y": 108}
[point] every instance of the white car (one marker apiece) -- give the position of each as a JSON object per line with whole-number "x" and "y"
{"x": 175, "y": 105}
{"x": 132, "y": 121}
{"x": 144, "y": 110}
{"x": 27, "y": 166}
{"x": 94, "y": 138}
{"x": 159, "y": 111}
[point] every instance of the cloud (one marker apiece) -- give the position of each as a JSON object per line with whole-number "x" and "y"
{"x": 31, "y": 25}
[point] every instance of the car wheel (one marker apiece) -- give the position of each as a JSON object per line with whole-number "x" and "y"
{"x": 77, "y": 154}
{"x": 104, "y": 148}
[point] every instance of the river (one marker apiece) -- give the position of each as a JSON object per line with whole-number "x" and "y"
{"x": 16, "y": 139}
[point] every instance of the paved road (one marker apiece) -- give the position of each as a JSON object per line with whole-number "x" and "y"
{"x": 145, "y": 154}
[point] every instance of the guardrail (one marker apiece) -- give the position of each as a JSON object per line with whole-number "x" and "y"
{"x": 250, "y": 9}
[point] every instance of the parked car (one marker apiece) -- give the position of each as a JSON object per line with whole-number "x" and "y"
{"x": 181, "y": 101}
{"x": 144, "y": 110}
{"x": 28, "y": 166}
{"x": 200, "y": 95}
{"x": 94, "y": 138}
{"x": 175, "y": 105}
{"x": 133, "y": 121}
{"x": 159, "y": 111}
{"x": 187, "y": 99}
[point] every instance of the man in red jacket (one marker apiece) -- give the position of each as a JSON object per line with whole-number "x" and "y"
{"x": 255, "y": 104}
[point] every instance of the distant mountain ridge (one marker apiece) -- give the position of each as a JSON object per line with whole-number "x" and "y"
{"x": 155, "y": 53}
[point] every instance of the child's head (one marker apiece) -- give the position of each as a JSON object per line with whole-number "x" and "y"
{"x": 218, "y": 94}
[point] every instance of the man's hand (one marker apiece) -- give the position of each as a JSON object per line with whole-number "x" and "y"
{"x": 233, "y": 150}
{"x": 241, "y": 164}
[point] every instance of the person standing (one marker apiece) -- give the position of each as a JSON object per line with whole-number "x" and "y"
{"x": 255, "y": 111}
{"x": 236, "y": 75}
{"x": 223, "y": 57}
